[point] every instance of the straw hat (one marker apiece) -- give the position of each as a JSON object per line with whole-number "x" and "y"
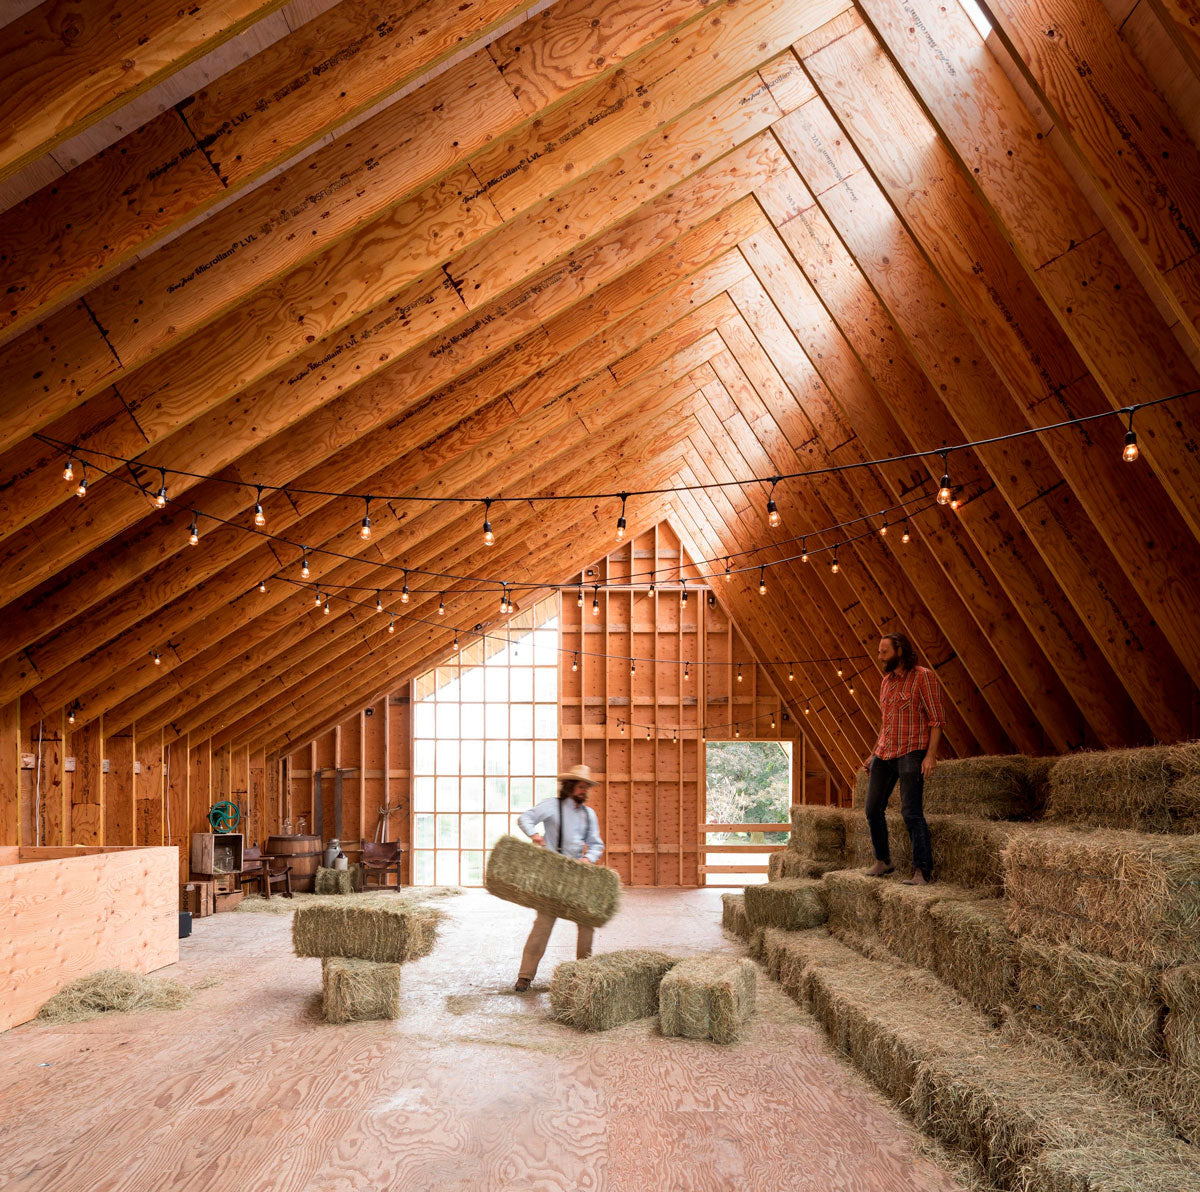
{"x": 578, "y": 774}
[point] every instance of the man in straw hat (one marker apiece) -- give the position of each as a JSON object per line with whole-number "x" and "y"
{"x": 569, "y": 827}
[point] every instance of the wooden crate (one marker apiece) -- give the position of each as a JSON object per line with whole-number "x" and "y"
{"x": 198, "y": 899}
{"x": 216, "y": 852}
{"x": 226, "y": 902}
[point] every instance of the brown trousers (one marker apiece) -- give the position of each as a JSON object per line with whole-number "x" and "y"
{"x": 539, "y": 937}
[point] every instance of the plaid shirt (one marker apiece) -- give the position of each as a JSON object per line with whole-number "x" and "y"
{"x": 911, "y": 705}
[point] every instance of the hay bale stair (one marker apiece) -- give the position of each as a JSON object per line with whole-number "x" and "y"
{"x": 707, "y": 997}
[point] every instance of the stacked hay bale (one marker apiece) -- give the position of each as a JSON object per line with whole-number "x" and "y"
{"x": 1000, "y": 787}
{"x": 853, "y": 902}
{"x": 733, "y": 915}
{"x": 791, "y": 864}
{"x": 820, "y": 834}
{"x": 362, "y": 948}
{"x": 974, "y": 952}
{"x": 609, "y": 990}
{"x": 707, "y": 997}
{"x": 906, "y": 925}
{"x": 338, "y": 881}
{"x": 521, "y": 872}
{"x": 1145, "y": 790}
{"x": 793, "y": 905}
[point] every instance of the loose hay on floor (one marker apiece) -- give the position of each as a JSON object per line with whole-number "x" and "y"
{"x": 1138, "y": 789}
{"x": 733, "y": 915}
{"x": 1111, "y": 1007}
{"x": 905, "y": 926}
{"x": 113, "y": 991}
{"x": 608, "y": 990}
{"x": 820, "y": 833}
{"x": 707, "y": 997}
{"x": 974, "y": 952}
{"x": 338, "y": 881}
{"x": 354, "y": 990}
{"x": 794, "y": 905}
{"x": 1126, "y": 895}
{"x": 788, "y": 864}
{"x": 853, "y": 901}
{"x": 520, "y": 872}
{"x": 381, "y": 931}
{"x": 1181, "y": 1031}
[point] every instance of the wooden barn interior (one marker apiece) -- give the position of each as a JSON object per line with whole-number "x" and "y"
{"x": 403, "y": 405}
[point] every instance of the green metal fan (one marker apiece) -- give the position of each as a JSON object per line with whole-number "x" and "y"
{"x": 224, "y": 816}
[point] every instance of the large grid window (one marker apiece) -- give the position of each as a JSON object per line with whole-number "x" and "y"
{"x": 485, "y": 745}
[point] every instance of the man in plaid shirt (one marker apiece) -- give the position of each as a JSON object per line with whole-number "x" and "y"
{"x": 910, "y": 701}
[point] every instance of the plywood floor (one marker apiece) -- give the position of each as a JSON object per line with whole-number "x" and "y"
{"x": 471, "y": 1090}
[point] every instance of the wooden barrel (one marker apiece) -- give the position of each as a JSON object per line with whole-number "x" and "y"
{"x": 303, "y": 853}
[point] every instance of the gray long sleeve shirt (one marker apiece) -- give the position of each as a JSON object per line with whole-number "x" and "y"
{"x": 580, "y": 827}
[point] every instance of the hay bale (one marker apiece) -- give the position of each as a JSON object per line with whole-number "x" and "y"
{"x": 383, "y": 931}
{"x": 788, "y": 864}
{"x": 1012, "y": 787}
{"x": 973, "y": 951}
{"x": 819, "y": 833}
{"x": 113, "y": 991}
{"x": 733, "y": 915}
{"x": 1181, "y": 1031}
{"x": 1139, "y": 1165}
{"x": 853, "y": 901}
{"x": 905, "y": 927}
{"x": 354, "y": 990}
{"x": 794, "y": 905}
{"x": 707, "y": 997}
{"x": 338, "y": 881}
{"x": 601, "y": 992}
{"x": 1111, "y": 1007}
{"x": 521, "y": 872}
{"x": 862, "y": 852}
{"x": 969, "y": 851}
{"x": 757, "y": 944}
{"x": 1129, "y": 896}
{"x": 1138, "y": 789}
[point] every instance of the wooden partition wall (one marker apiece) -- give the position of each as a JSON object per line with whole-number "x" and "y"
{"x": 630, "y": 712}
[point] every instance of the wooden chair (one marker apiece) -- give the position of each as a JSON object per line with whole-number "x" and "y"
{"x": 381, "y": 859}
{"x": 265, "y": 872}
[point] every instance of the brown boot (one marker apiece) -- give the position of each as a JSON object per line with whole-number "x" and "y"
{"x": 917, "y": 879}
{"x": 879, "y": 869}
{"x": 522, "y": 985}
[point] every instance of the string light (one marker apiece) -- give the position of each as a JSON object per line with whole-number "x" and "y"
{"x": 81, "y": 487}
{"x": 834, "y": 566}
{"x": 728, "y": 573}
{"x": 489, "y": 539}
{"x": 851, "y": 687}
{"x": 807, "y": 709}
{"x": 364, "y": 530}
{"x": 883, "y": 529}
{"x": 260, "y": 518}
{"x": 575, "y": 661}
{"x": 456, "y": 641}
{"x": 579, "y": 597}
{"x": 69, "y": 470}
{"x": 647, "y": 734}
{"x": 674, "y": 734}
{"x": 737, "y": 730}
{"x": 791, "y": 673}
{"x": 772, "y": 719}
{"x": 442, "y": 605}
{"x": 392, "y": 624}
{"x": 633, "y": 666}
{"x": 71, "y": 712}
{"x": 318, "y": 598}
{"x": 687, "y": 673}
{"x": 326, "y": 610}
{"x": 193, "y": 532}
{"x": 621, "y": 519}
{"x": 1130, "y": 452}
{"x": 404, "y": 590}
{"x": 160, "y": 497}
{"x": 944, "y": 492}
{"x": 621, "y": 727}
{"x": 905, "y": 537}
{"x": 262, "y": 585}
{"x": 739, "y": 674}
{"x": 683, "y": 594}
{"x": 773, "y": 518}
{"x": 596, "y": 601}
{"x": 378, "y": 603}
{"x": 804, "y": 550}
{"x": 839, "y": 672}
{"x": 651, "y": 592}
{"x": 157, "y": 657}
{"x": 304, "y": 568}
{"x": 762, "y": 580}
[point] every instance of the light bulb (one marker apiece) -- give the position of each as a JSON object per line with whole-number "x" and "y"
{"x": 262, "y": 585}
{"x": 193, "y": 534}
{"x": 378, "y": 603}
{"x": 737, "y": 730}
{"x": 1130, "y": 452}
{"x": 305, "y": 570}
{"x": 944, "y": 493}
{"x": 579, "y": 597}
{"x": 392, "y": 625}
{"x": 317, "y": 598}
{"x": 839, "y": 672}
{"x": 739, "y": 674}
{"x": 791, "y": 674}
{"x": 404, "y": 590}
{"x": 906, "y": 537}
{"x": 773, "y": 518}
{"x": 71, "y": 716}
{"x": 633, "y": 666}
{"x": 728, "y": 573}
{"x": 762, "y": 581}
{"x": 157, "y": 658}
{"x": 834, "y": 565}
{"x": 69, "y": 470}
{"x": 851, "y": 688}
{"x": 647, "y": 734}
{"x": 883, "y": 530}
{"x": 804, "y": 551}
{"x": 160, "y": 497}
{"x": 687, "y": 673}
{"x": 621, "y": 727}
{"x": 621, "y": 519}
{"x": 595, "y": 602}
{"x": 684, "y": 595}
{"x": 327, "y": 606}
{"x": 807, "y": 709}
{"x": 364, "y": 530}
{"x": 489, "y": 538}
{"x": 574, "y": 662}
{"x": 442, "y": 605}
{"x": 81, "y": 487}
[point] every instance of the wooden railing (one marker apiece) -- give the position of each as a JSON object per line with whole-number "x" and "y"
{"x": 759, "y": 850}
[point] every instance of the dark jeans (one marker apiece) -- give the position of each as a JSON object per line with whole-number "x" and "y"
{"x": 884, "y": 773}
